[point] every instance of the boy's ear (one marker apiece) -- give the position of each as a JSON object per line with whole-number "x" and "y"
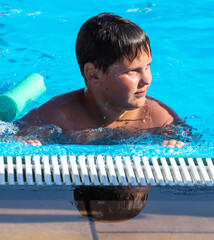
{"x": 91, "y": 73}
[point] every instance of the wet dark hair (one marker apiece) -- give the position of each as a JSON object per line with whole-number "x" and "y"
{"x": 106, "y": 39}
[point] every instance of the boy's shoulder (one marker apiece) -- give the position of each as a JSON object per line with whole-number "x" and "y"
{"x": 62, "y": 101}
{"x": 61, "y": 110}
{"x": 160, "y": 113}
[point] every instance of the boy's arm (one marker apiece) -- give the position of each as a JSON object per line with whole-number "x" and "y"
{"x": 26, "y": 124}
{"x": 168, "y": 124}
{"x": 50, "y": 112}
{"x": 31, "y": 123}
{"x": 161, "y": 114}
{"x": 30, "y": 119}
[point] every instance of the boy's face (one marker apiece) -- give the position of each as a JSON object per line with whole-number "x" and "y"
{"x": 125, "y": 85}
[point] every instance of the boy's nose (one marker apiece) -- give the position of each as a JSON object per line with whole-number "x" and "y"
{"x": 145, "y": 80}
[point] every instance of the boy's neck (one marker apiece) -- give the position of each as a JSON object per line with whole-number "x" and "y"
{"x": 101, "y": 111}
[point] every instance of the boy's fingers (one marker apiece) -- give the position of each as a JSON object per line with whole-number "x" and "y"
{"x": 32, "y": 142}
{"x": 180, "y": 144}
{"x": 169, "y": 143}
{"x": 38, "y": 142}
{"x": 173, "y": 143}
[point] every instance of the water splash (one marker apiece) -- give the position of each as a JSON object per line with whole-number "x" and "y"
{"x": 7, "y": 129}
{"x": 111, "y": 142}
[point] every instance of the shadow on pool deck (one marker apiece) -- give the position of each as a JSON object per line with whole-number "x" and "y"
{"x": 43, "y": 213}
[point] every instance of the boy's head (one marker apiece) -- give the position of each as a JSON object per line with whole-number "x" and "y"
{"x": 106, "y": 39}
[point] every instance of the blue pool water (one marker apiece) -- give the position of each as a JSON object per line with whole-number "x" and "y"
{"x": 39, "y": 36}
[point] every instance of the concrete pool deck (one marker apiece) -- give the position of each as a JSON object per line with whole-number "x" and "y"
{"x": 31, "y": 213}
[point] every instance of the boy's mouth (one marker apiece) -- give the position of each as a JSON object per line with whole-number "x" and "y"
{"x": 141, "y": 93}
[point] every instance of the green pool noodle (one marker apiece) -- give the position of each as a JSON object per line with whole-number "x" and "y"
{"x": 13, "y": 102}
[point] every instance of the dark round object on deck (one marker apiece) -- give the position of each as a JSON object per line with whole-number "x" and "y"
{"x": 113, "y": 203}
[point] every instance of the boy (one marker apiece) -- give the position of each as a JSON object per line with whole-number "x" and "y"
{"x": 114, "y": 57}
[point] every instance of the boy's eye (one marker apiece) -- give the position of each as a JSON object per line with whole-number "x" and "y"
{"x": 148, "y": 66}
{"x": 132, "y": 73}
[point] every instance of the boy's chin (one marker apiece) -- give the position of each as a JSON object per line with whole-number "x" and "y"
{"x": 140, "y": 102}
{"x": 136, "y": 105}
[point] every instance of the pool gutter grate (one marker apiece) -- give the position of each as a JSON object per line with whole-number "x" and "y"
{"x": 106, "y": 170}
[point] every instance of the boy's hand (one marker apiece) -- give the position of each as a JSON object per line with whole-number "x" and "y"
{"x": 32, "y": 142}
{"x": 173, "y": 143}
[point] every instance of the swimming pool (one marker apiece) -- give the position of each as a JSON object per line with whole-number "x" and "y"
{"x": 40, "y": 37}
